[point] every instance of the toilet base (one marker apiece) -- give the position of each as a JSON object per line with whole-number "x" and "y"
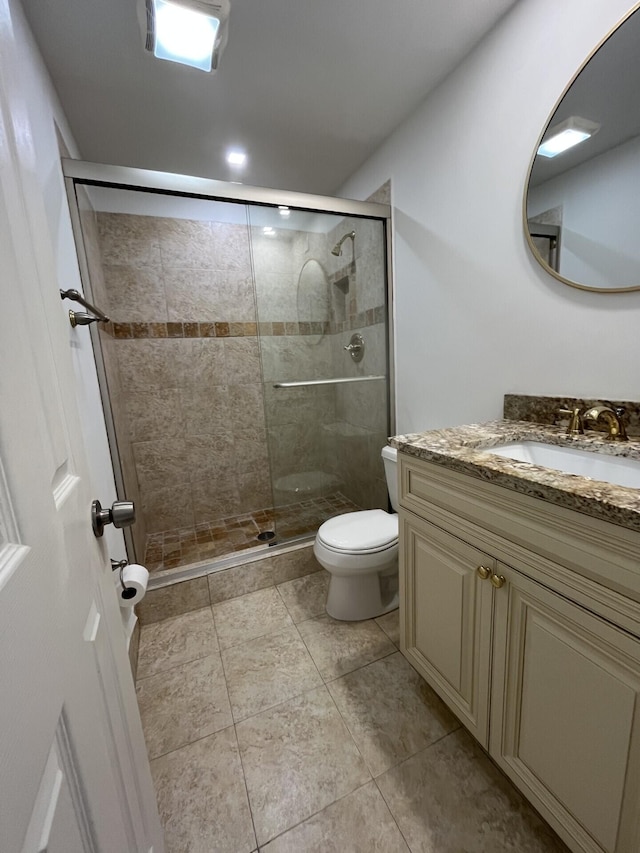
{"x": 353, "y": 599}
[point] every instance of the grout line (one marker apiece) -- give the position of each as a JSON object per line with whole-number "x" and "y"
{"x": 399, "y": 764}
{"x": 311, "y": 656}
{"x": 190, "y": 743}
{"x": 176, "y": 665}
{"x": 246, "y": 787}
{"x": 279, "y": 630}
{"x": 315, "y": 814}
{"x": 346, "y": 725}
{"x": 364, "y": 666}
{"x": 198, "y": 656}
{"x": 226, "y": 684}
{"x": 393, "y": 817}
{"x": 280, "y": 704}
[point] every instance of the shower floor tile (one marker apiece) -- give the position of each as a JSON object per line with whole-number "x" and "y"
{"x": 174, "y": 549}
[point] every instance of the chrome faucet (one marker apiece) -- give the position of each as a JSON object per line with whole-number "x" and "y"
{"x": 613, "y": 418}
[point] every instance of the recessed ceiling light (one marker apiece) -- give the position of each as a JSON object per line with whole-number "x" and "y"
{"x": 565, "y": 135}
{"x": 284, "y": 210}
{"x": 236, "y": 158}
{"x": 190, "y": 32}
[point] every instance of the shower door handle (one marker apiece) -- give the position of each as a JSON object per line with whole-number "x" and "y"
{"x": 342, "y": 381}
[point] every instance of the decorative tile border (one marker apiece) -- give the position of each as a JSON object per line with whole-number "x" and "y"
{"x": 127, "y": 331}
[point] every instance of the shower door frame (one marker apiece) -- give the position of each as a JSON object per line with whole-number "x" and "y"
{"x": 166, "y": 183}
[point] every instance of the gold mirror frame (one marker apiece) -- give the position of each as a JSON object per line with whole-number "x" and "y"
{"x": 534, "y": 251}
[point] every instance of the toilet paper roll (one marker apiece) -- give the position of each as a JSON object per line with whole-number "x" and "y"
{"x": 134, "y": 585}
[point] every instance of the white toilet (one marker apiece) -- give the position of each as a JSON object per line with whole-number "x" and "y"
{"x": 360, "y": 550}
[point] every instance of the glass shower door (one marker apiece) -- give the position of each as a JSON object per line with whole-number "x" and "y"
{"x": 181, "y": 361}
{"x": 320, "y": 283}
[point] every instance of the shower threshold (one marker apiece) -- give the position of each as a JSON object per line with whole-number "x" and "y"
{"x": 177, "y": 549}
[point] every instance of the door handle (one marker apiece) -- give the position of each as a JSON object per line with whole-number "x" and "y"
{"x": 121, "y": 514}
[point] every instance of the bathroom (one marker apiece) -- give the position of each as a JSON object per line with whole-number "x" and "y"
{"x": 475, "y": 316}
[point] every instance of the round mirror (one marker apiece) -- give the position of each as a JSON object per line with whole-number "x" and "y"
{"x": 582, "y": 202}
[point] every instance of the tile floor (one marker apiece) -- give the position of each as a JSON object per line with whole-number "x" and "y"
{"x": 272, "y": 727}
{"x": 178, "y": 548}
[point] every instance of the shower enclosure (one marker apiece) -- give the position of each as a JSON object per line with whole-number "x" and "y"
{"x": 245, "y": 367}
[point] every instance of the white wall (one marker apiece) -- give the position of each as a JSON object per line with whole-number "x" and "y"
{"x": 36, "y": 113}
{"x": 476, "y": 316}
{"x": 600, "y": 215}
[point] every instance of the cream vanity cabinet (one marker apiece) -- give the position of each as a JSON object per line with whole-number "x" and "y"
{"x": 525, "y": 618}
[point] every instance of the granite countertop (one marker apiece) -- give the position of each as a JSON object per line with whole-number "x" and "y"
{"x": 467, "y": 450}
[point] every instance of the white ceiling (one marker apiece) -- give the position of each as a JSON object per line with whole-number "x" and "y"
{"x": 310, "y": 88}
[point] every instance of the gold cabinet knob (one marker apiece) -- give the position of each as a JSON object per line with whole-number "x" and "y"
{"x": 484, "y": 572}
{"x": 498, "y": 581}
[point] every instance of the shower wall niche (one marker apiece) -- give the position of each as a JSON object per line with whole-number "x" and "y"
{"x": 212, "y": 305}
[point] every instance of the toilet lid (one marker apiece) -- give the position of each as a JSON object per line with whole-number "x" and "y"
{"x": 368, "y": 530}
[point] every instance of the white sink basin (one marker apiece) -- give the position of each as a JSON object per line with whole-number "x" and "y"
{"x": 598, "y": 466}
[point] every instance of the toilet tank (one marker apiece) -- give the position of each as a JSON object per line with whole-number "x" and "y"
{"x": 390, "y": 459}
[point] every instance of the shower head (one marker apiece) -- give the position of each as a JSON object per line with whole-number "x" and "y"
{"x": 337, "y": 249}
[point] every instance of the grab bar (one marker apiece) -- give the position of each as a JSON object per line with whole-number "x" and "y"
{"x": 327, "y": 381}
{"x": 77, "y": 297}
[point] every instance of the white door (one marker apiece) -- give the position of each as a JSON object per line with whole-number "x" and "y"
{"x": 74, "y": 775}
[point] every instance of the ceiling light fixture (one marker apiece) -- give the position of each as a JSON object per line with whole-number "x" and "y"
{"x": 268, "y": 230}
{"x": 565, "y": 135}
{"x": 236, "y": 158}
{"x": 191, "y": 32}
{"x": 283, "y": 210}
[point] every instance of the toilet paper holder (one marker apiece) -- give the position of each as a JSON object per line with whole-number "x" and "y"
{"x": 119, "y": 565}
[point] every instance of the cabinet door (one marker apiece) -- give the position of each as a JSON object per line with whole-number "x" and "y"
{"x": 446, "y": 618}
{"x": 565, "y": 714}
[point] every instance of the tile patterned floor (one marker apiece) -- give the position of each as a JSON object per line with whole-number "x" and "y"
{"x": 273, "y": 727}
{"x": 178, "y": 548}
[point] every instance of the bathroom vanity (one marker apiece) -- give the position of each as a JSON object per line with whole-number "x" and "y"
{"x": 520, "y": 606}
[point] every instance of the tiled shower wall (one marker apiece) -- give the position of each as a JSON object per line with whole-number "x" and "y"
{"x": 184, "y": 371}
{"x": 184, "y": 323}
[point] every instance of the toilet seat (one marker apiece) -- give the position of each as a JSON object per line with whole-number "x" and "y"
{"x": 366, "y": 532}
